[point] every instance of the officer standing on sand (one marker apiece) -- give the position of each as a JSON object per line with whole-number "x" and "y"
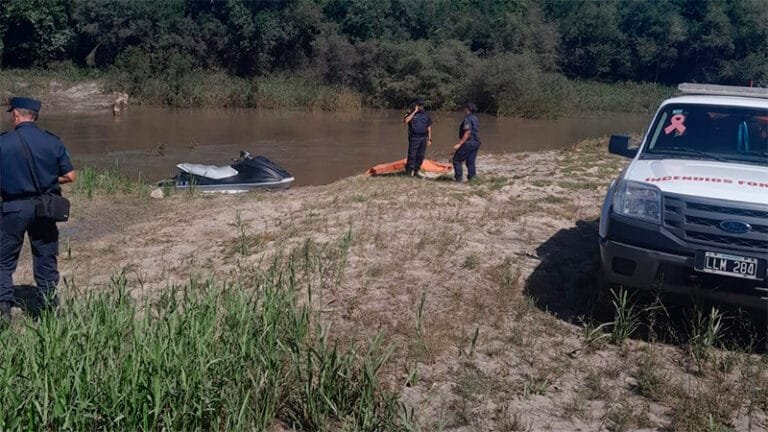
{"x": 419, "y": 137}
{"x": 468, "y": 145}
{"x": 52, "y": 167}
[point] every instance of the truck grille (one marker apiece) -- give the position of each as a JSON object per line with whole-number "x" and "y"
{"x": 697, "y": 220}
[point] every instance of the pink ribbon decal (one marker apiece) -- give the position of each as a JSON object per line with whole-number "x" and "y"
{"x": 676, "y": 124}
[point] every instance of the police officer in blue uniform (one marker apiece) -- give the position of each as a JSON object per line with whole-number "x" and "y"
{"x": 468, "y": 145}
{"x": 419, "y": 137}
{"x": 19, "y": 193}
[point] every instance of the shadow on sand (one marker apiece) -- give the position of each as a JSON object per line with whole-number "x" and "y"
{"x": 566, "y": 283}
{"x": 427, "y": 177}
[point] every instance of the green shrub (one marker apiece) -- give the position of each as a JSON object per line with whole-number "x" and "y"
{"x": 514, "y": 85}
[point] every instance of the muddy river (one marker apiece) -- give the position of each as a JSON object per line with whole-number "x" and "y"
{"x": 316, "y": 147}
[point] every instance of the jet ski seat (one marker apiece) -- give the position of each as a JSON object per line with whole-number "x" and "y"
{"x": 209, "y": 171}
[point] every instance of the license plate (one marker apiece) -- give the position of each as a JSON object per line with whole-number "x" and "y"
{"x": 728, "y": 265}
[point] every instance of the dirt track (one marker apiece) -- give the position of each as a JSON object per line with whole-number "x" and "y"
{"x": 502, "y": 266}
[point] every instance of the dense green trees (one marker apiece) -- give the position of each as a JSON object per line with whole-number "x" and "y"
{"x": 664, "y": 40}
{"x": 495, "y": 51}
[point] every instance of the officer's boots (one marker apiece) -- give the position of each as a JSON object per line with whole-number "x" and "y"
{"x": 5, "y": 314}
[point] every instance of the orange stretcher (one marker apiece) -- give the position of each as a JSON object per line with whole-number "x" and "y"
{"x": 429, "y": 166}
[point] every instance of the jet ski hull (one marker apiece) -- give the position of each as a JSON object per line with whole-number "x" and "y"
{"x": 230, "y": 188}
{"x": 246, "y": 174}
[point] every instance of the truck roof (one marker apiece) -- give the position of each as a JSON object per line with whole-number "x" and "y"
{"x": 747, "y": 102}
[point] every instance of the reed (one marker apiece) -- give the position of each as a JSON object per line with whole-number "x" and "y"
{"x": 207, "y": 355}
{"x": 283, "y": 92}
{"x": 515, "y": 90}
{"x": 592, "y": 96}
{"x": 215, "y": 89}
{"x": 92, "y": 181}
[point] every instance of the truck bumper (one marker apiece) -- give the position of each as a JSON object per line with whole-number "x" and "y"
{"x": 641, "y": 268}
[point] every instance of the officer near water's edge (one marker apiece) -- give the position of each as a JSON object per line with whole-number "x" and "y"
{"x": 19, "y": 191}
{"x": 468, "y": 145}
{"x": 419, "y": 137}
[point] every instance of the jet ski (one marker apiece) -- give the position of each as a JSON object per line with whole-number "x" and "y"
{"x": 245, "y": 174}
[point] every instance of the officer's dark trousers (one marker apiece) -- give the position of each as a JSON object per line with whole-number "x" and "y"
{"x": 466, "y": 153}
{"x": 417, "y": 148}
{"x": 18, "y": 217}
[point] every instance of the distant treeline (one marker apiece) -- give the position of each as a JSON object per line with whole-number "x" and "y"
{"x": 517, "y": 57}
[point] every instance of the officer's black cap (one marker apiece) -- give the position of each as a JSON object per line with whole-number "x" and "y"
{"x": 470, "y": 106}
{"x": 419, "y": 101}
{"x": 25, "y": 103}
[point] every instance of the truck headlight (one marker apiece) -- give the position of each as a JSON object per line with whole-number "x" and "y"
{"x": 638, "y": 200}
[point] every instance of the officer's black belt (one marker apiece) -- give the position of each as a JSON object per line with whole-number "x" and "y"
{"x": 16, "y": 205}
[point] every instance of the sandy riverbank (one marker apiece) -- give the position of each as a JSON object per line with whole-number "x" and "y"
{"x": 56, "y": 96}
{"x": 477, "y": 287}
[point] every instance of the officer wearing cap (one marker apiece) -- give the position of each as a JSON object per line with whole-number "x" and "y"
{"x": 468, "y": 145}
{"x": 419, "y": 137}
{"x": 52, "y": 166}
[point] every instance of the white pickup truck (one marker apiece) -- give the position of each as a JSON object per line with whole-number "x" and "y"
{"x": 689, "y": 214}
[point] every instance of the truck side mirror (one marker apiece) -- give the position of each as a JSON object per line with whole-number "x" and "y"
{"x": 619, "y": 145}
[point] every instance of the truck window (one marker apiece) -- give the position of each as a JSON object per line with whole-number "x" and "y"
{"x": 692, "y": 131}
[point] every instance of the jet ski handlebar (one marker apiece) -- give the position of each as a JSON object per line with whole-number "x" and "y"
{"x": 243, "y": 156}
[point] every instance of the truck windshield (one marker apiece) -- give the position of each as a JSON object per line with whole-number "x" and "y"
{"x": 710, "y": 132}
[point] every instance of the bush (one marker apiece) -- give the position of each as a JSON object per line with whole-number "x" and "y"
{"x": 514, "y": 85}
{"x": 397, "y": 73}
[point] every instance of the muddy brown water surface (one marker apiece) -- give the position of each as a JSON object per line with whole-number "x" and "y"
{"x": 316, "y": 147}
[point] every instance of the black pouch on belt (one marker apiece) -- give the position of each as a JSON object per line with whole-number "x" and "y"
{"x": 54, "y": 207}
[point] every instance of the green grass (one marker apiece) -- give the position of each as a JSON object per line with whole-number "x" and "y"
{"x": 91, "y": 182}
{"x": 243, "y": 239}
{"x": 581, "y": 185}
{"x": 202, "y": 356}
{"x": 292, "y": 93}
{"x": 554, "y": 199}
{"x": 471, "y": 262}
{"x": 626, "y": 317}
{"x": 215, "y": 89}
{"x": 592, "y": 96}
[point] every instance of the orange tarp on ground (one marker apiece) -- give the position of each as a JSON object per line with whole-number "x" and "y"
{"x": 399, "y": 166}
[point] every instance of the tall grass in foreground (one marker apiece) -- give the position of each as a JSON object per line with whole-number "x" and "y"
{"x": 204, "y": 356}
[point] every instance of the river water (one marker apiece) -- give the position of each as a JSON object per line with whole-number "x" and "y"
{"x": 316, "y": 147}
